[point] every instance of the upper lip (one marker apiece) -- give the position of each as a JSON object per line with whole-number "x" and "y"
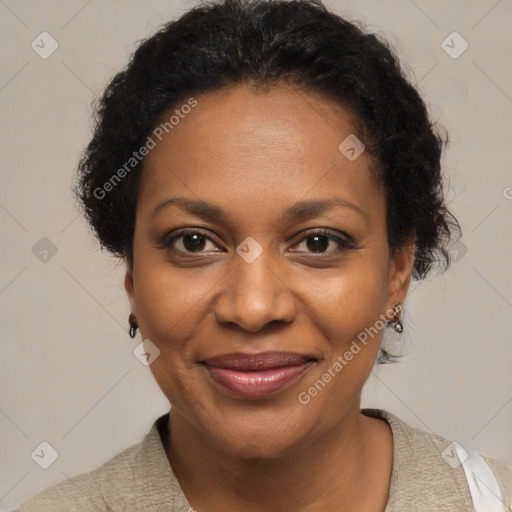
{"x": 242, "y": 361}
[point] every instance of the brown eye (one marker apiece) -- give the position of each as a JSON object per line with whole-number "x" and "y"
{"x": 194, "y": 242}
{"x": 320, "y": 241}
{"x": 189, "y": 242}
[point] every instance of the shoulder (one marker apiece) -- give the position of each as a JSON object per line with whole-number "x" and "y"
{"x": 433, "y": 473}
{"x": 86, "y": 492}
{"x": 139, "y": 478}
{"x": 503, "y": 475}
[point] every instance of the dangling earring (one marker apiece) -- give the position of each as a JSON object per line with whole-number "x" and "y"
{"x": 397, "y": 324}
{"x": 133, "y": 325}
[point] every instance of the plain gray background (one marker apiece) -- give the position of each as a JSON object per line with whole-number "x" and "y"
{"x": 68, "y": 375}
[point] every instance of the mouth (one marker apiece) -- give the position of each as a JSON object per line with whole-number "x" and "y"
{"x": 257, "y": 375}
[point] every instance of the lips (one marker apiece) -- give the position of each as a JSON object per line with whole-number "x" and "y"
{"x": 257, "y": 375}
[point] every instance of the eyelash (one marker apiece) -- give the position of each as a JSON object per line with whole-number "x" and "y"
{"x": 343, "y": 243}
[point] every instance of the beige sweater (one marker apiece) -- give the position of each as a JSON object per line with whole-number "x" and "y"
{"x": 141, "y": 479}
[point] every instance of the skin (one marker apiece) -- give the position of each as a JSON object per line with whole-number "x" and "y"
{"x": 254, "y": 154}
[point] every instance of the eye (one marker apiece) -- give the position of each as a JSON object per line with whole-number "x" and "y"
{"x": 320, "y": 241}
{"x": 190, "y": 241}
{"x": 195, "y": 241}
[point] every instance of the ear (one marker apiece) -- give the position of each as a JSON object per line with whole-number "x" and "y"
{"x": 400, "y": 272}
{"x": 129, "y": 286}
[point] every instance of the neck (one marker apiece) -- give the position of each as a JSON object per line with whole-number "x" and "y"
{"x": 334, "y": 472}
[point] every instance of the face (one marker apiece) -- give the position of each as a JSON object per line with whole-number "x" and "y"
{"x": 257, "y": 239}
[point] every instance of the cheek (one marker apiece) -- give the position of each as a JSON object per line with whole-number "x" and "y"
{"x": 349, "y": 320}
{"x": 174, "y": 302}
{"x": 171, "y": 301}
{"x": 350, "y": 300}
{"x": 170, "y": 309}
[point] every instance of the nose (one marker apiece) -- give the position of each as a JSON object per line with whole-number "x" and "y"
{"x": 254, "y": 294}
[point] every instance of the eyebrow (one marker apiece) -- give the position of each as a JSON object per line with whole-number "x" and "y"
{"x": 299, "y": 211}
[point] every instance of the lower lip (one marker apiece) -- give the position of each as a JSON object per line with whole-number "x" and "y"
{"x": 256, "y": 384}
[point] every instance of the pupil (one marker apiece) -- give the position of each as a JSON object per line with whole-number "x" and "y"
{"x": 193, "y": 242}
{"x": 316, "y": 246}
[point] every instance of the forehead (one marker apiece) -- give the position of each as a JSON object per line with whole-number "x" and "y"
{"x": 240, "y": 146}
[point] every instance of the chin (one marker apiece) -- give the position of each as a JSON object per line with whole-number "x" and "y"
{"x": 256, "y": 430}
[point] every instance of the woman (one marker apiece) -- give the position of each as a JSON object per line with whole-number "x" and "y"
{"x": 238, "y": 138}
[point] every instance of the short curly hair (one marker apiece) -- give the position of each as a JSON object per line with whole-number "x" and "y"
{"x": 263, "y": 43}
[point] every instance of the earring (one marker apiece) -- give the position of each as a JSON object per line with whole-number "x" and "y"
{"x": 397, "y": 324}
{"x": 133, "y": 325}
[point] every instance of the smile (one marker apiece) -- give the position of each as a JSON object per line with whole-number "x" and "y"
{"x": 257, "y": 375}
